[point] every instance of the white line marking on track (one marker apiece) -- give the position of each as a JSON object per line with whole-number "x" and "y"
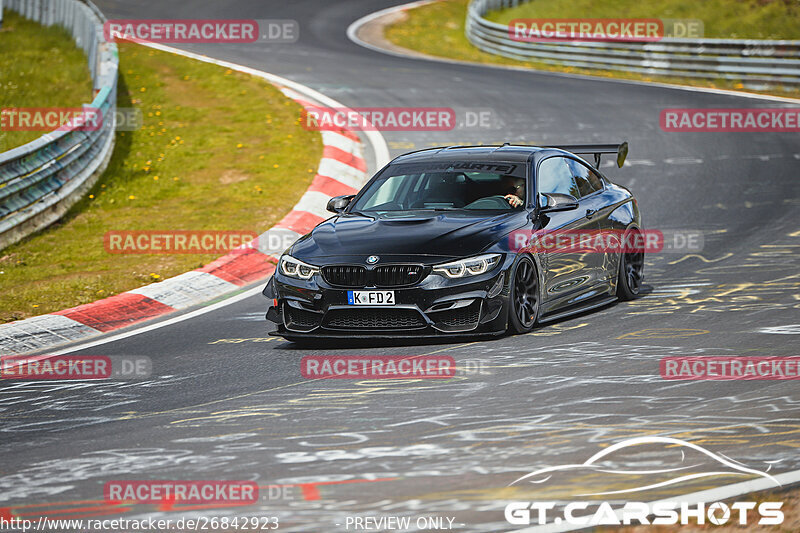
{"x": 174, "y": 320}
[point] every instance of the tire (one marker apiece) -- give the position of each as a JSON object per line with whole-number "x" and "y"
{"x": 631, "y": 272}
{"x": 523, "y": 296}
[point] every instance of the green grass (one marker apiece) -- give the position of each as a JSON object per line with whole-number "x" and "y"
{"x": 724, "y": 19}
{"x": 39, "y": 67}
{"x": 218, "y": 150}
{"x": 445, "y": 19}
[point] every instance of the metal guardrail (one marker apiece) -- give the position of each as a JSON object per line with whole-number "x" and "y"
{"x": 757, "y": 64}
{"x": 41, "y": 180}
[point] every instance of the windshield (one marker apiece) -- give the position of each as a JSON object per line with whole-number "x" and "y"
{"x": 445, "y": 186}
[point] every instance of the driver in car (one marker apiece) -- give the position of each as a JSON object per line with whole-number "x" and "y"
{"x": 513, "y": 190}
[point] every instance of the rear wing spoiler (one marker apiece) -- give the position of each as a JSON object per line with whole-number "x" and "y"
{"x": 598, "y": 149}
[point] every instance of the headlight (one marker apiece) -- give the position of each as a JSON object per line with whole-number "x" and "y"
{"x": 294, "y": 268}
{"x": 468, "y": 267}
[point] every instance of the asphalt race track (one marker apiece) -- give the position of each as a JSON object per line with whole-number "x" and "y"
{"x": 227, "y": 402}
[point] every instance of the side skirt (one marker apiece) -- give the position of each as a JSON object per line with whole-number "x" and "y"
{"x": 594, "y": 304}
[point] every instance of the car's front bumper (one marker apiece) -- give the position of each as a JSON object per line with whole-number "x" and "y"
{"x": 436, "y": 306}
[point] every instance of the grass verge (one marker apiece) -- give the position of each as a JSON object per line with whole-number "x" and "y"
{"x": 445, "y": 19}
{"x": 34, "y": 60}
{"x": 218, "y": 150}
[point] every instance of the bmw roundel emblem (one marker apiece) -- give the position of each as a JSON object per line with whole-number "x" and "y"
{"x": 372, "y": 259}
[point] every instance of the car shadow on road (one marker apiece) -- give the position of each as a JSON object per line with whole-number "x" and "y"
{"x": 386, "y": 342}
{"x": 331, "y": 344}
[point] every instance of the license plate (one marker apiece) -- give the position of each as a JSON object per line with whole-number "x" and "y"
{"x": 370, "y": 297}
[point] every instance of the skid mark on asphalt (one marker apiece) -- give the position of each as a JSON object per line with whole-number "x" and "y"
{"x": 227, "y": 415}
{"x": 702, "y": 258}
{"x": 556, "y": 329}
{"x": 240, "y": 341}
{"x": 663, "y": 333}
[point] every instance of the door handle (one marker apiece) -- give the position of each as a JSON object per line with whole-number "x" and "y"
{"x": 590, "y": 213}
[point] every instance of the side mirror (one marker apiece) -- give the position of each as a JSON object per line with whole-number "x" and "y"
{"x": 338, "y": 203}
{"x": 557, "y": 201}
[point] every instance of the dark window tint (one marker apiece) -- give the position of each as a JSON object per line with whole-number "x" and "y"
{"x": 440, "y": 185}
{"x": 555, "y": 176}
{"x": 586, "y": 179}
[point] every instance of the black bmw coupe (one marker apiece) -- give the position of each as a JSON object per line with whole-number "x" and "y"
{"x": 448, "y": 241}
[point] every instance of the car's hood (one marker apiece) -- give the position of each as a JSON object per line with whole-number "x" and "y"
{"x": 434, "y": 235}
